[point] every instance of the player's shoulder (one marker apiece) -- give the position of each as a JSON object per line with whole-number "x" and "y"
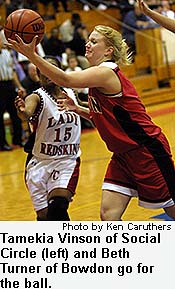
{"x": 109, "y": 64}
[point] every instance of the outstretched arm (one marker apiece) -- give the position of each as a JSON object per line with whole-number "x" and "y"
{"x": 164, "y": 21}
{"x": 96, "y": 76}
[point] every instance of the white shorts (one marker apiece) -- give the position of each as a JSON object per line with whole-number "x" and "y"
{"x": 42, "y": 176}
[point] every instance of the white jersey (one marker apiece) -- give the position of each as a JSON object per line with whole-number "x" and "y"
{"x": 57, "y": 132}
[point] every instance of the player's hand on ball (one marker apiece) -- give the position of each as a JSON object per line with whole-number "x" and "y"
{"x": 21, "y": 47}
{"x": 26, "y": 23}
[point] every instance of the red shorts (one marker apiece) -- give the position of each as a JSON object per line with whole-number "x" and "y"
{"x": 147, "y": 172}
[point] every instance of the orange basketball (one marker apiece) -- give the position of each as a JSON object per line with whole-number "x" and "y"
{"x": 26, "y": 23}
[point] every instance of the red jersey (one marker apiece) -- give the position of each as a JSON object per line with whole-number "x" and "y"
{"x": 121, "y": 119}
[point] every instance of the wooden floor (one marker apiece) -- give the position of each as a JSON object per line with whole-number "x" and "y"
{"x": 14, "y": 197}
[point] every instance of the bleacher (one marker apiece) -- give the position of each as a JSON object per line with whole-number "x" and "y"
{"x": 149, "y": 72}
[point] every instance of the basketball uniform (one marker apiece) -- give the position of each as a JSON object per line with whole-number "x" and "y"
{"x": 56, "y": 152}
{"x": 141, "y": 164}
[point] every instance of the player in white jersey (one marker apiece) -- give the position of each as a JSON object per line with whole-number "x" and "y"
{"x": 53, "y": 169}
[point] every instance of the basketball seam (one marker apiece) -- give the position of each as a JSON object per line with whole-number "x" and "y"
{"x": 12, "y": 25}
{"x": 20, "y": 20}
{"x": 20, "y": 32}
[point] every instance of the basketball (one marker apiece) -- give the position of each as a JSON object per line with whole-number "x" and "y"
{"x": 26, "y": 23}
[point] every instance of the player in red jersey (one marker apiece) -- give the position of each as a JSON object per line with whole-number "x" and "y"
{"x": 141, "y": 164}
{"x": 164, "y": 21}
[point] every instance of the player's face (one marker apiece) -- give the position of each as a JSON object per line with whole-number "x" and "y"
{"x": 44, "y": 80}
{"x": 95, "y": 48}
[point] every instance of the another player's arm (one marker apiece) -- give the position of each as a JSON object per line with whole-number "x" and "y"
{"x": 96, "y": 76}
{"x": 82, "y": 103}
{"x": 26, "y": 108}
{"x": 100, "y": 77}
{"x": 82, "y": 111}
{"x": 17, "y": 83}
{"x": 68, "y": 104}
{"x": 164, "y": 21}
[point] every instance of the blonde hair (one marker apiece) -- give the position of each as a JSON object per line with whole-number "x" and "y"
{"x": 113, "y": 38}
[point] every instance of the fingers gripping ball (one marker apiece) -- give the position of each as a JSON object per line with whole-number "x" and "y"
{"x": 26, "y": 23}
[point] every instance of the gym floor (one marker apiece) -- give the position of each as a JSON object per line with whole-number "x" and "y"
{"x": 15, "y": 200}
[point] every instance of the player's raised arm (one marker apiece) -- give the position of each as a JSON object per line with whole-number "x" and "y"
{"x": 97, "y": 75}
{"x": 90, "y": 77}
{"x": 164, "y": 21}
